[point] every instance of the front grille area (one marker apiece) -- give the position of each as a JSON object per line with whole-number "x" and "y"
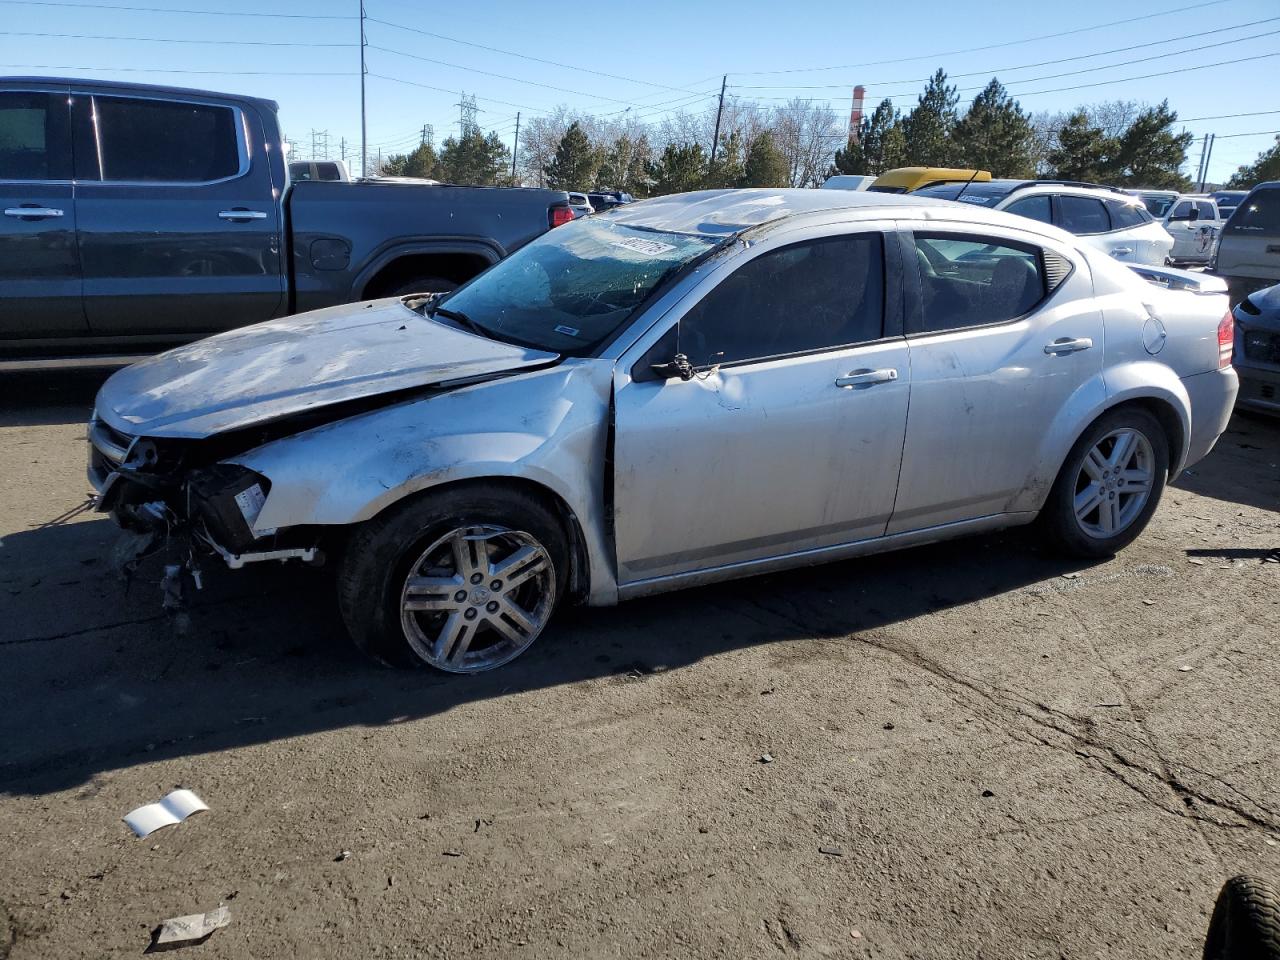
{"x": 107, "y": 450}
{"x": 1260, "y": 346}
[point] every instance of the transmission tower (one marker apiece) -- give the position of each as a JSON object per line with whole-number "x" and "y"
{"x": 467, "y": 120}
{"x": 319, "y": 145}
{"x": 428, "y": 136}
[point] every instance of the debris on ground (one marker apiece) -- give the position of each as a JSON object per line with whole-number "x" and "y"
{"x": 1196, "y": 560}
{"x": 766, "y": 758}
{"x": 172, "y": 809}
{"x": 1184, "y": 669}
{"x": 831, "y": 851}
{"x": 191, "y": 929}
{"x": 342, "y": 855}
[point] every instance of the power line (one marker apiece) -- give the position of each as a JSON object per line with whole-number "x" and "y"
{"x": 1148, "y": 76}
{"x": 221, "y": 73}
{"x": 457, "y": 93}
{"x": 1232, "y": 116}
{"x": 206, "y": 13}
{"x": 991, "y": 46}
{"x": 243, "y": 43}
{"x": 524, "y": 56}
{"x": 1256, "y": 133}
{"x": 1047, "y": 63}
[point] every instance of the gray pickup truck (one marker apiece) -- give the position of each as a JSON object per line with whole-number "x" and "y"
{"x": 137, "y": 217}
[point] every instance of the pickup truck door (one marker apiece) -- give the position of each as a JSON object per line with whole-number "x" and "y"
{"x": 39, "y": 267}
{"x": 180, "y": 224}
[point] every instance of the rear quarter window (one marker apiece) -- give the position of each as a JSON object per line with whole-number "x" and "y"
{"x": 1127, "y": 214}
{"x": 1258, "y": 213}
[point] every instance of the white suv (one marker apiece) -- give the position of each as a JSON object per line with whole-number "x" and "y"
{"x": 1106, "y": 217}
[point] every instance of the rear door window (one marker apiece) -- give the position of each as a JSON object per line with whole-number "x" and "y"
{"x": 1082, "y": 215}
{"x": 165, "y": 141}
{"x": 1258, "y": 213}
{"x": 1037, "y": 208}
{"x": 1207, "y": 210}
{"x": 816, "y": 295}
{"x": 35, "y": 137}
{"x": 1124, "y": 215}
{"x": 972, "y": 281}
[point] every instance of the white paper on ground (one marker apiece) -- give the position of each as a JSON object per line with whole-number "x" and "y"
{"x": 195, "y": 926}
{"x": 174, "y": 808}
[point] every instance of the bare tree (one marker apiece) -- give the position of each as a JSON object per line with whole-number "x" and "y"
{"x": 808, "y": 135}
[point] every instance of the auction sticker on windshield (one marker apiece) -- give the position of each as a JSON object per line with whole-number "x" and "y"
{"x": 650, "y": 248}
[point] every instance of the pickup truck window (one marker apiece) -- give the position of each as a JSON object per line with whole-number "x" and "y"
{"x": 1259, "y": 213}
{"x": 161, "y": 141}
{"x": 573, "y": 287}
{"x": 35, "y": 137}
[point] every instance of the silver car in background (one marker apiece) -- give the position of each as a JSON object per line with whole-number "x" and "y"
{"x": 675, "y": 392}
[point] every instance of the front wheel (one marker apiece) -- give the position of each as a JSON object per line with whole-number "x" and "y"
{"x": 464, "y": 580}
{"x": 1109, "y": 486}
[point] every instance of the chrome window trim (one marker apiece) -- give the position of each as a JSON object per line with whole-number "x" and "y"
{"x": 241, "y": 128}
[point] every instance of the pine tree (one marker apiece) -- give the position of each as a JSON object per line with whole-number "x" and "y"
{"x": 851, "y": 158}
{"x": 1266, "y": 167}
{"x": 727, "y": 169}
{"x": 681, "y": 168}
{"x": 1083, "y": 151}
{"x": 575, "y": 163}
{"x": 1150, "y": 154}
{"x": 927, "y": 128}
{"x": 421, "y": 162}
{"x": 475, "y": 159}
{"x": 765, "y": 165}
{"x": 996, "y": 135}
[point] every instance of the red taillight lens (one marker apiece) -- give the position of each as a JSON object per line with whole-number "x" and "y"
{"x": 1226, "y": 339}
{"x": 559, "y": 216}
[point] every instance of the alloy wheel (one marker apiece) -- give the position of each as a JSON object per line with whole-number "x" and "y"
{"x": 477, "y": 597}
{"x": 1114, "y": 483}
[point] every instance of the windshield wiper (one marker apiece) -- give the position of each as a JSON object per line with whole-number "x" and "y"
{"x": 459, "y": 317}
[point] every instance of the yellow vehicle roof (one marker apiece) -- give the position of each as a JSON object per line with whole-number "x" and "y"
{"x": 906, "y": 179}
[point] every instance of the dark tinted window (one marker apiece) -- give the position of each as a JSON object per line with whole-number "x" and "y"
{"x": 327, "y": 171}
{"x": 969, "y": 281}
{"x": 824, "y": 293}
{"x": 1260, "y": 211}
{"x": 1207, "y": 212}
{"x": 1181, "y": 211}
{"x": 983, "y": 194}
{"x": 35, "y": 140}
{"x": 1127, "y": 214}
{"x": 1082, "y": 215}
{"x": 1037, "y": 208}
{"x": 158, "y": 140}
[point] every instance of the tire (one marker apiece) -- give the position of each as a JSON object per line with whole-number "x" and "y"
{"x": 1245, "y": 923}
{"x": 424, "y": 285}
{"x": 1091, "y": 535}
{"x": 460, "y": 620}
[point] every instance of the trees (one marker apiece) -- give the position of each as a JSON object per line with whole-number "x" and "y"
{"x": 421, "y": 162}
{"x": 806, "y": 133}
{"x": 1149, "y": 153}
{"x": 681, "y": 167}
{"x": 1266, "y": 167}
{"x": 475, "y": 158}
{"x": 726, "y": 170}
{"x": 765, "y": 165}
{"x": 576, "y": 161}
{"x": 626, "y": 165}
{"x": 928, "y": 127}
{"x": 996, "y": 135}
{"x": 1083, "y": 150}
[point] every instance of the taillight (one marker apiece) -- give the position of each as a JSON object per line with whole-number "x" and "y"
{"x": 559, "y": 216}
{"x": 1226, "y": 339}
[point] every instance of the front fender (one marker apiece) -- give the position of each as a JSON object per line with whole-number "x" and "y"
{"x": 1138, "y": 380}
{"x": 547, "y": 427}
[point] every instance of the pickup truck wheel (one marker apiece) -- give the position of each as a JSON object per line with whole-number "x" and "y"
{"x": 1245, "y": 922}
{"x": 463, "y": 581}
{"x": 1109, "y": 486}
{"x": 424, "y": 285}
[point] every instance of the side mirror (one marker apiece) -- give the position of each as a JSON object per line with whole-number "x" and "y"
{"x": 677, "y": 366}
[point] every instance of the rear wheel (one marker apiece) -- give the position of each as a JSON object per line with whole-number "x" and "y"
{"x": 1109, "y": 486}
{"x": 424, "y": 285}
{"x": 463, "y": 581}
{"x": 1245, "y": 923}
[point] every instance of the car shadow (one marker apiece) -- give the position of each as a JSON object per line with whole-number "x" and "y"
{"x": 46, "y": 398}
{"x": 1231, "y": 471}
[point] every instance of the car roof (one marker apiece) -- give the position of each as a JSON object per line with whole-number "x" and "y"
{"x": 124, "y": 88}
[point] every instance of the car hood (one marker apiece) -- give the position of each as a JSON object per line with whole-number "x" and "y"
{"x": 281, "y": 368}
{"x": 1268, "y": 301}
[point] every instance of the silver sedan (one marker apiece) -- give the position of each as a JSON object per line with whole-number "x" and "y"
{"x": 678, "y": 391}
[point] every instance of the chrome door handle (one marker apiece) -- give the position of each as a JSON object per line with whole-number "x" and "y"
{"x": 1121, "y": 250}
{"x": 32, "y": 212}
{"x": 859, "y": 378}
{"x": 1068, "y": 345}
{"x": 242, "y": 215}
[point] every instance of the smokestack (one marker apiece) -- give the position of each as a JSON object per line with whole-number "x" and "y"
{"x": 855, "y": 116}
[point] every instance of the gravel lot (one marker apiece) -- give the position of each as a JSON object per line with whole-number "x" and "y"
{"x": 1013, "y": 756}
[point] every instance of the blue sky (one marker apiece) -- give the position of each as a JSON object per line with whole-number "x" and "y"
{"x": 642, "y": 57}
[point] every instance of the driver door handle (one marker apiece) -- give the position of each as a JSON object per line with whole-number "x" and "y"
{"x": 864, "y": 378}
{"x": 1068, "y": 345}
{"x": 242, "y": 215}
{"x": 33, "y": 212}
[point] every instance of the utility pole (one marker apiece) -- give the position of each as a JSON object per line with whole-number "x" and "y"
{"x": 1208, "y": 158}
{"x": 515, "y": 143}
{"x": 364, "y": 129}
{"x": 715, "y": 138}
{"x": 1204, "y": 145}
{"x": 342, "y": 149}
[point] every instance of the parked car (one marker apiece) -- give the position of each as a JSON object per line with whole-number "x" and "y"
{"x": 1257, "y": 350}
{"x": 910, "y": 179}
{"x": 332, "y": 171}
{"x": 679, "y": 391}
{"x": 843, "y": 181}
{"x": 172, "y": 218}
{"x": 608, "y": 199}
{"x": 1227, "y": 201}
{"x": 1157, "y": 202}
{"x": 1106, "y": 217}
{"x": 1195, "y": 225}
{"x": 1248, "y": 255}
{"x": 580, "y": 204}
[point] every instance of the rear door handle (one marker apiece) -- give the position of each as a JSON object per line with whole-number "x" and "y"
{"x": 1121, "y": 251}
{"x": 33, "y": 212}
{"x": 242, "y": 215}
{"x": 863, "y": 378}
{"x": 1068, "y": 345}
